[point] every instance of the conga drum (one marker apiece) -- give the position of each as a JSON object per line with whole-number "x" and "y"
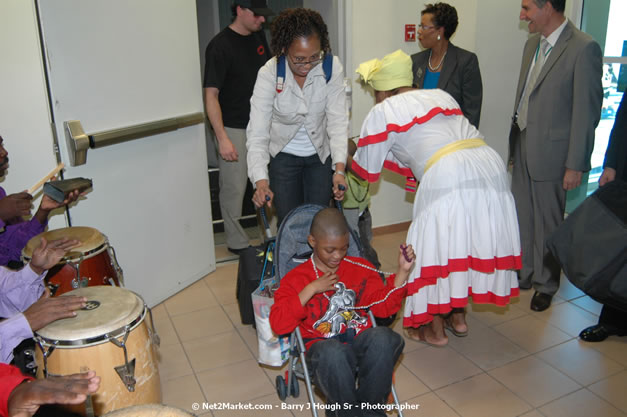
{"x": 109, "y": 336}
{"x": 92, "y": 263}
{"x": 150, "y": 410}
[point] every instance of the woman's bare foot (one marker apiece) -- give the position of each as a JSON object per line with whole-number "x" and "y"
{"x": 456, "y": 322}
{"x": 428, "y": 334}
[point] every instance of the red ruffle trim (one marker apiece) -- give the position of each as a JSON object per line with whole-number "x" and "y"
{"x": 429, "y": 274}
{"x": 383, "y": 136}
{"x": 374, "y": 177}
{"x": 416, "y": 320}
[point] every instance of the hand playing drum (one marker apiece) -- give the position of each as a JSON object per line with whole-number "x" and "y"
{"x": 48, "y": 254}
{"x": 46, "y": 310}
{"x": 91, "y": 263}
{"x": 26, "y": 398}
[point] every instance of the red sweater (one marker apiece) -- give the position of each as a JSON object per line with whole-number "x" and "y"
{"x": 287, "y": 312}
{"x": 10, "y": 377}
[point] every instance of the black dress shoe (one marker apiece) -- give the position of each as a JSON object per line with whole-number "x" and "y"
{"x": 596, "y": 333}
{"x": 540, "y": 301}
{"x": 238, "y": 251}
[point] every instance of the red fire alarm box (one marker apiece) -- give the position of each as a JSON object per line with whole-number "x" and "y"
{"x": 410, "y": 33}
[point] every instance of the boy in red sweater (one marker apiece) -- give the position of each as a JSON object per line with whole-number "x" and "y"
{"x": 320, "y": 297}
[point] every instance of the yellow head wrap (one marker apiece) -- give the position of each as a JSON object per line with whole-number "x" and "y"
{"x": 393, "y": 71}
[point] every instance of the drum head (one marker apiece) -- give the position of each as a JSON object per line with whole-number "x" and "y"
{"x": 89, "y": 237}
{"x": 108, "y": 310}
{"x": 149, "y": 410}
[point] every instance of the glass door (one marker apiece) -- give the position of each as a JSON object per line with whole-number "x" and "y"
{"x": 604, "y": 21}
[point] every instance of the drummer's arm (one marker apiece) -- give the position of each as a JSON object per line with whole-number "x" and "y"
{"x": 10, "y": 378}
{"x": 13, "y": 331}
{"x": 18, "y": 290}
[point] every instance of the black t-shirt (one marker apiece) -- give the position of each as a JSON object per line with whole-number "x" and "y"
{"x": 231, "y": 65}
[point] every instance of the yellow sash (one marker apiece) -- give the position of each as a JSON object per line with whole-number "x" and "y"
{"x": 453, "y": 147}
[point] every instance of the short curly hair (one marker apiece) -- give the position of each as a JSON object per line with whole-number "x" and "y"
{"x": 444, "y": 15}
{"x": 292, "y": 24}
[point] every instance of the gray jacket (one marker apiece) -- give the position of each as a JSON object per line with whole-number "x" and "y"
{"x": 564, "y": 106}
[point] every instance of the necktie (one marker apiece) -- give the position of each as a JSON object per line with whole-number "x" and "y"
{"x": 535, "y": 72}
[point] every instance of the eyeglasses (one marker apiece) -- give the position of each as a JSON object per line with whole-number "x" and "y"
{"x": 300, "y": 61}
{"x": 423, "y": 27}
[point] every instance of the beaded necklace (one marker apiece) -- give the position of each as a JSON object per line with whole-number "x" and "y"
{"x": 441, "y": 61}
{"x": 313, "y": 263}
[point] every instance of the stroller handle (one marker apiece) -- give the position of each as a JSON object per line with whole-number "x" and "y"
{"x": 338, "y": 203}
{"x": 264, "y": 218}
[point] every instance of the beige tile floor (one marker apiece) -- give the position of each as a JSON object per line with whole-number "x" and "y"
{"x": 515, "y": 362}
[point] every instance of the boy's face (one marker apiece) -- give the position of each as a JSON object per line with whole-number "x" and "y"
{"x": 329, "y": 251}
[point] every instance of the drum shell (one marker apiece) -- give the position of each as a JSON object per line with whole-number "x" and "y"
{"x": 149, "y": 410}
{"x": 103, "y": 358}
{"x": 89, "y": 265}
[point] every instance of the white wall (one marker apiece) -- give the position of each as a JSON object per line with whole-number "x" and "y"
{"x": 24, "y": 121}
{"x": 500, "y": 40}
{"x": 373, "y": 32}
{"x": 490, "y": 28}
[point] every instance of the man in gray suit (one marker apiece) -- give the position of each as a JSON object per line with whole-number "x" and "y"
{"x": 557, "y": 108}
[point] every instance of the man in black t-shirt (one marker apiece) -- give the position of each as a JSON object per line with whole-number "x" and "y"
{"x": 232, "y": 60}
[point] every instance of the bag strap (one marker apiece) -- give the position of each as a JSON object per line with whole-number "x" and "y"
{"x": 327, "y": 67}
{"x": 280, "y": 73}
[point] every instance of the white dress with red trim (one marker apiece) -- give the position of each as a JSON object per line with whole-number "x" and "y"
{"x": 465, "y": 228}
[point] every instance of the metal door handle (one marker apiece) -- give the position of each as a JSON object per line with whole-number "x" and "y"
{"x": 79, "y": 142}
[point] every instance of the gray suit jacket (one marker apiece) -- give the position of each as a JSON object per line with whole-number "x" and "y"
{"x": 564, "y": 106}
{"x": 460, "y": 77}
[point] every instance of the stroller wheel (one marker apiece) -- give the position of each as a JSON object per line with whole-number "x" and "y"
{"x": 281, "y": 387}
{"x": 295, "y": 387}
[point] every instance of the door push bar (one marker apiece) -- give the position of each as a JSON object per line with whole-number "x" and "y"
{"x": 79, "y": 142}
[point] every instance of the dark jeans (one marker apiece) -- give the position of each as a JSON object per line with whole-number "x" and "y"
{"x": 299, "y": 180}
{"x": 370, "y": 357}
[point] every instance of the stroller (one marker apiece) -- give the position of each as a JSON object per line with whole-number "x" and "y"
{"x": 291, "y": 250}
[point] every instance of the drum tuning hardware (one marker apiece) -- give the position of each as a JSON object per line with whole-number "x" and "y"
{"x": 46, "y": 352}
{"x": 116, "y": 265}
{"x": 155, "y": 337}
{"x": 126, "y": 372}
{"x": 53, "y": 288}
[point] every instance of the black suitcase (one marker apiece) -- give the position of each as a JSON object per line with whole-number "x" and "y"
{"x": 249, "y": 274}
{"x": 255, "y": 265}
{"x": 591, "y": 245}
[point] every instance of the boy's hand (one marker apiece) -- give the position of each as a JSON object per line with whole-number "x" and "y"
{"x": 325, "y": 283}
{"x": 48, "y": 254}
{"x": 406, "y": 260}
{"x": 322, "y": 284}
{"x": 406, "y": 257}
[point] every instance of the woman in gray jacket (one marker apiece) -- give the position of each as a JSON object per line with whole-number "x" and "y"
{"x": 297, "y": 134}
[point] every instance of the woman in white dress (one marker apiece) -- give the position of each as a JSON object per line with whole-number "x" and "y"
{"x": 465, "y": 228}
